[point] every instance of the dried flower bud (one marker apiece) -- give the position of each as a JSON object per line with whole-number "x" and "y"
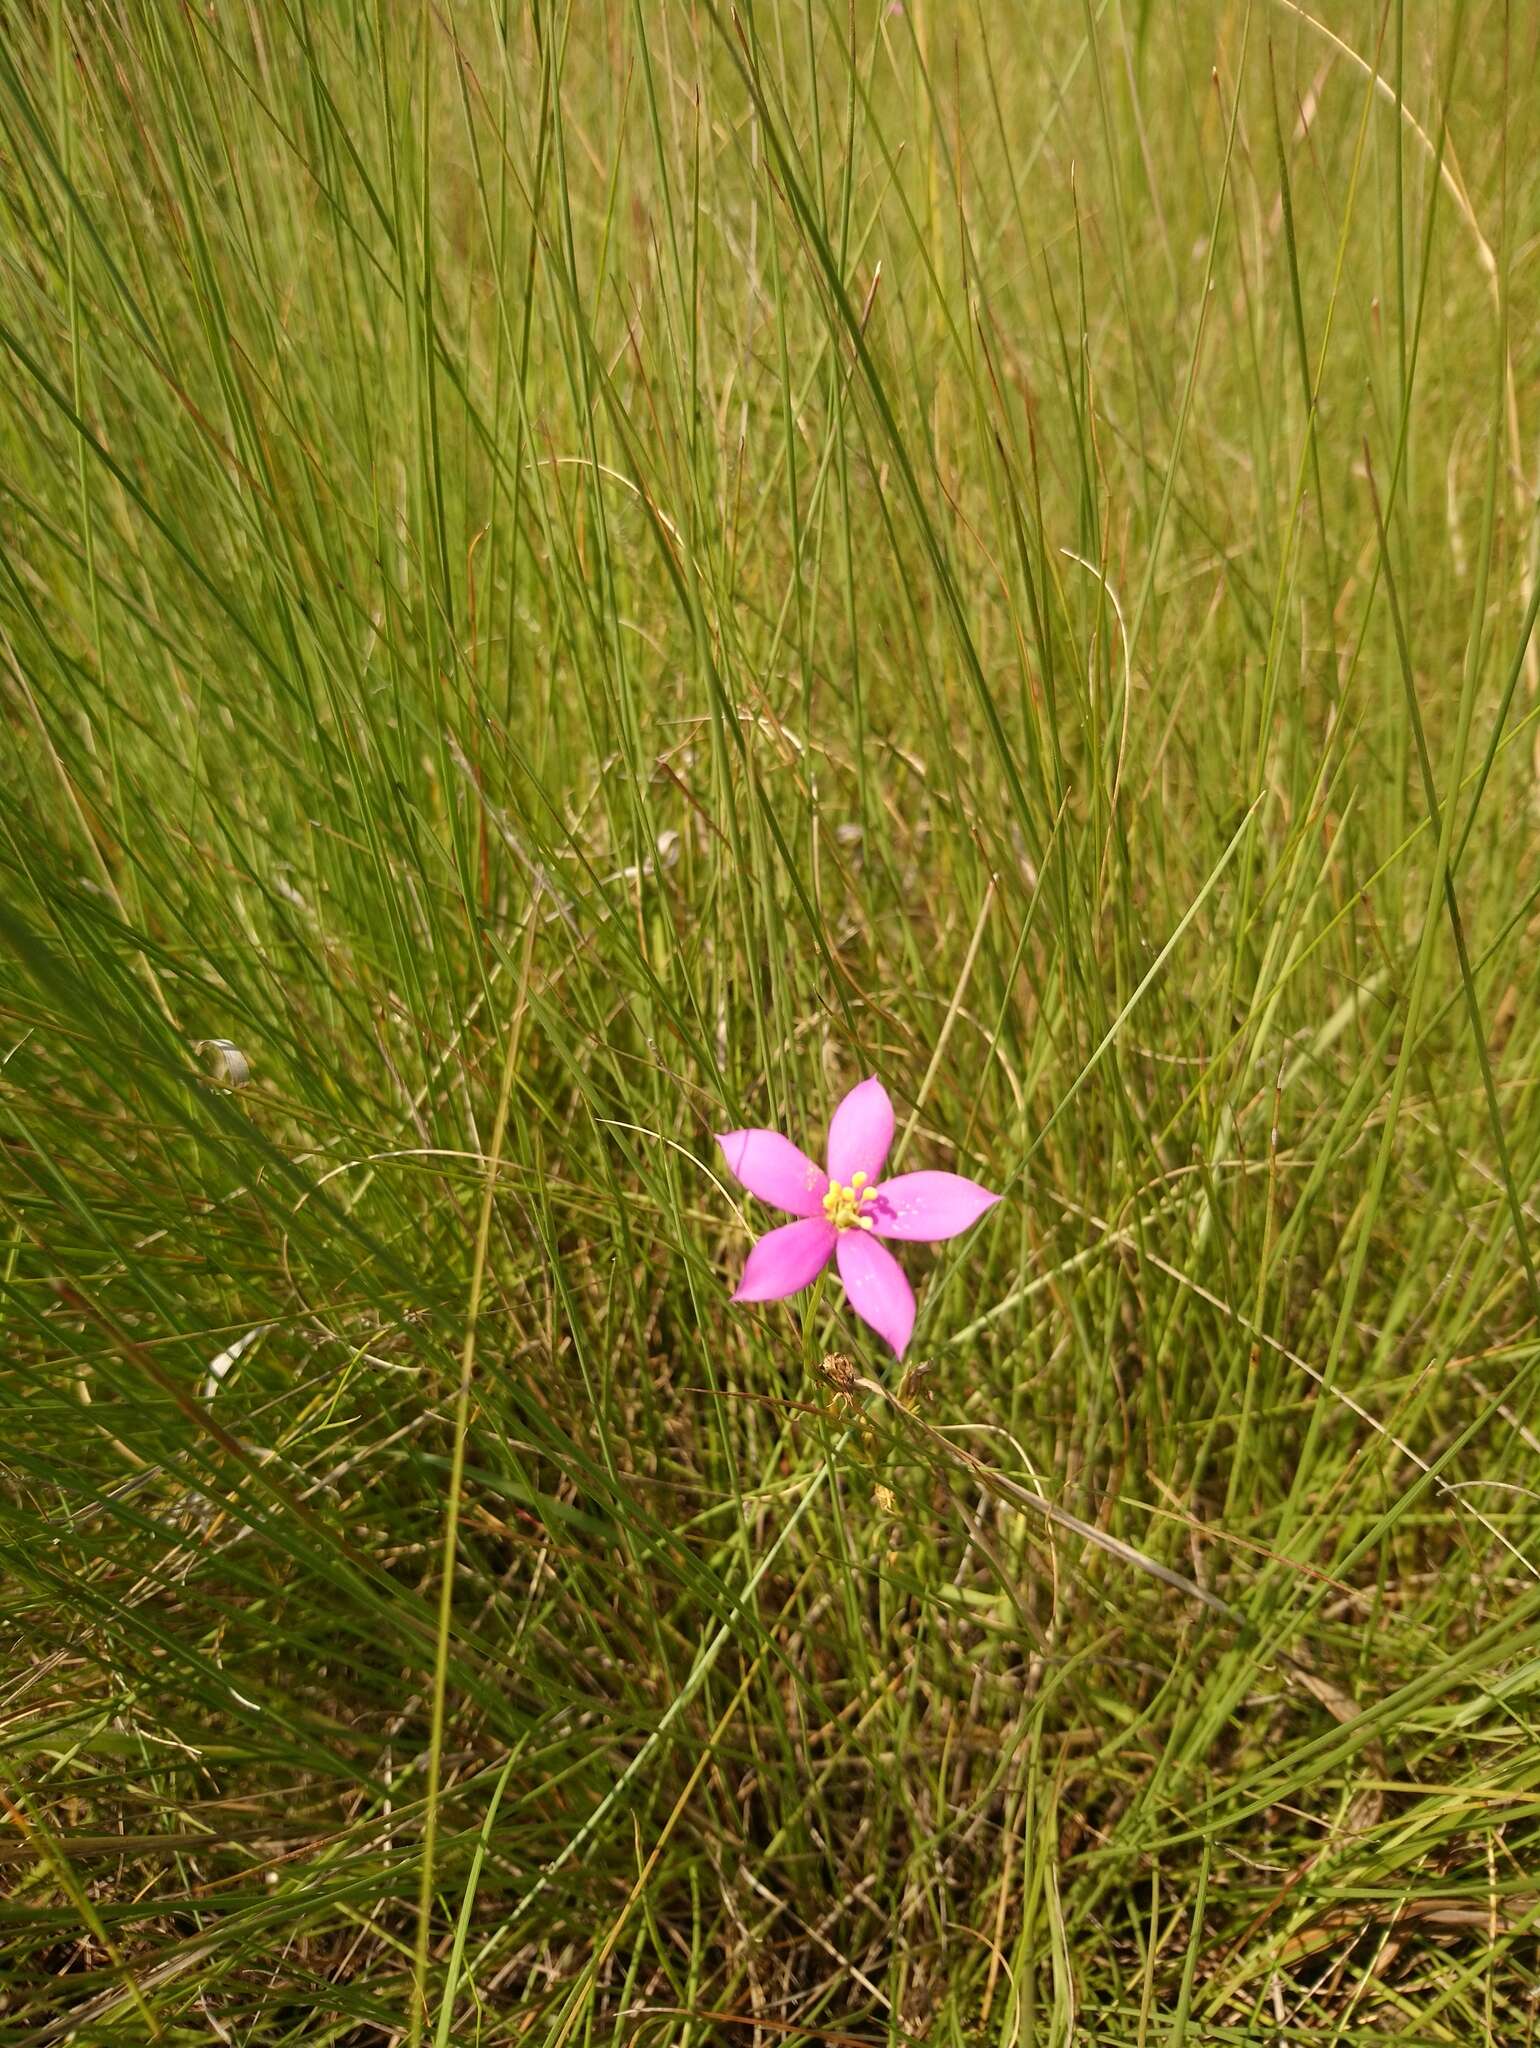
{"x": 840, "y": 1372}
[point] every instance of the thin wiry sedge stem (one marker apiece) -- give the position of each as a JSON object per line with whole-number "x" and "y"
{"x": 419, "y": 2011}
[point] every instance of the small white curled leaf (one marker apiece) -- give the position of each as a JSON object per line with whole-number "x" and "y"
{"x": 220, "y": 1364}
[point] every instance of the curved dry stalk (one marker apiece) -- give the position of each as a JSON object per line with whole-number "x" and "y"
{"x": 1339, "y": 1704}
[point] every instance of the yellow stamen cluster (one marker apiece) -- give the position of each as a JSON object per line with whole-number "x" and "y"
{"x": 842, "y": 1206}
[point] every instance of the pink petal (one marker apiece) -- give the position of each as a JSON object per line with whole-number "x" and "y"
{"x": 878, "y": 1291}
{"x": 771, "y": 1167}
{"x": 860, "y": 1132}
{"x": 928, "y": 1207}
{"x": 786, "y": 1260}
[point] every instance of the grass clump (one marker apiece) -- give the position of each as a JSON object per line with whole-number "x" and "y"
{"x": 575, "y": 577}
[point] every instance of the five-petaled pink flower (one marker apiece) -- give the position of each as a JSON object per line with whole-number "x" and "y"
{"x": 846, "y": 1210}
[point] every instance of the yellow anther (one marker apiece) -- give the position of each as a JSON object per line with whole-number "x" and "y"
{"x": 842, "y": 1205}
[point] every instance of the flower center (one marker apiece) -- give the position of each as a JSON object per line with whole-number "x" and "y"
{"x": 842, "y": 1206}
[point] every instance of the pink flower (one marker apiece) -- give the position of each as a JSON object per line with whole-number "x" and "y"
{"x": 846, "y": 1211}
